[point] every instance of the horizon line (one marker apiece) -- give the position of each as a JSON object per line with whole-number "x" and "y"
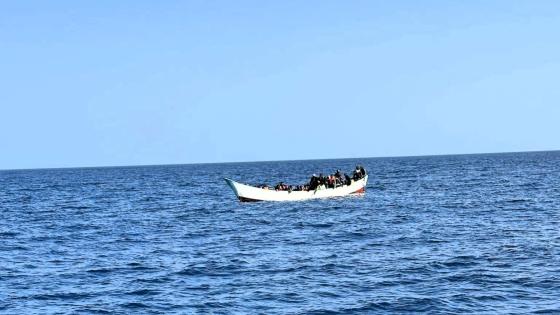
{"x": 265, "y": 161}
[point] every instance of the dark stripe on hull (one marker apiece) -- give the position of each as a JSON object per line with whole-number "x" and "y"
{"x": 243, "y": 199}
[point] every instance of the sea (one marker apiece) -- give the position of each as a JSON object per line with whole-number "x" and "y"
{"x": 458, "y": 234}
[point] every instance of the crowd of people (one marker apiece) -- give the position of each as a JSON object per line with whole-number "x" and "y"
{"x": 335, "y": 180}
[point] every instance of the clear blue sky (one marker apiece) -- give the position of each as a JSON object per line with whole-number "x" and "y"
{"x": 88, "y": 83}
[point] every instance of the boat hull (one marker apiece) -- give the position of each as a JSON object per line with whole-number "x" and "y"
{"x": 246, "y": 193}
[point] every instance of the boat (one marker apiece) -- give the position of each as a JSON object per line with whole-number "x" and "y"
{"x": 251, "y": 193}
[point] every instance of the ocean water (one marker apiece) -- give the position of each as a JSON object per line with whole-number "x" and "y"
{"x": 477, "y": 234}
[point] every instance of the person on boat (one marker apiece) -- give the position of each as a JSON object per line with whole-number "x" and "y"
{"x": 321, "y": 180}
{"x": 313, "y": 182}
{"x": 281, "y": 187}
{"x": 359, "y": 173}
{"x": 330, "y": 182}
{"x": 347, "y": 179}
{"x": 337, "y": 182}
{"x": 356, "y": 174}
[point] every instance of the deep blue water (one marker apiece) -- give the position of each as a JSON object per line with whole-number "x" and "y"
{"x": 444, "y": 234}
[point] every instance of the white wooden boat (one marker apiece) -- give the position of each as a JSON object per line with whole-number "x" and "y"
{"x": 251, "y": 193}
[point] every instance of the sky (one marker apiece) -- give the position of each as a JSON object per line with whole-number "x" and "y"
{"x": 103, "y": 83}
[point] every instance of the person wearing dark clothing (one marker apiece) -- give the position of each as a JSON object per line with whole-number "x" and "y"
{"x": 363, "y": 171}
{"x": 314, "y": 182}
{"x": 348, "y": 179}
{"x": 359, "y": 172}
{"x": 356, "y": 174}
{"x": 337, "y": 174}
